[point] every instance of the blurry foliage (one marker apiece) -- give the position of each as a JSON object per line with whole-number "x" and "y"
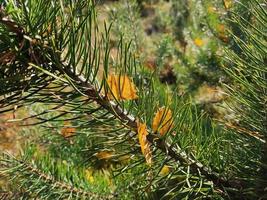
{"x": 126, "y": 22}
{"x": 175, "y": 27}
{"x": 164, "y": 51}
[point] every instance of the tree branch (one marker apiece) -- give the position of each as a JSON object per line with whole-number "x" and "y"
{"x": 130, "y": 121}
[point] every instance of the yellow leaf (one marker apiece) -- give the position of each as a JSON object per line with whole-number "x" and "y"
{"x": 199, "y": 42}
{"x": 67, "y": 131}
{"x": 104, "y": 155}
{"x": 162, "y": 121}
{"x": 221, "y": 28}
{"x": 121, "y": 88}
{"x": 144, "y": 143}
{"x": 165, "y": 170}
{"x": 222, "y": 33}
{"x": 89, "y": 175}
{"x": 227, "y": 3}
{"x": 47, "y": 31}
{"x": 211, "y": 9}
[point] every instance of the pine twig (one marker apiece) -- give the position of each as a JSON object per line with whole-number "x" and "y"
{"x": 242, "y": 130}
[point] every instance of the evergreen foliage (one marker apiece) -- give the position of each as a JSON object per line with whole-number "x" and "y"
{"x": 247, "y": 66}
{"x": 104, "y": 128}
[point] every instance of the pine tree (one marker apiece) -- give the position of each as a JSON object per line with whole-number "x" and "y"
{"x": 89, "y": 109}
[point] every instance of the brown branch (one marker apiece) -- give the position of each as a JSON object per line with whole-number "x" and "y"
{"x": 242, "y": 130}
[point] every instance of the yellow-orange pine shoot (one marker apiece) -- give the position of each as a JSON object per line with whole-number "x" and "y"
{"x": 165, "y": 170}
{"x": 67, "y": 130}
{"x": 121, "y": 88}
{"x": 144, "y": 143}
{"x": 162, "y": 122}
{"x": 228, "y": 3}
{"x": 198, "y": 42}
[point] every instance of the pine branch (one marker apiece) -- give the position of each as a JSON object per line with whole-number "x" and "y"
{"x": 127, "y": 120}
{"x": 131, "y": 122}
